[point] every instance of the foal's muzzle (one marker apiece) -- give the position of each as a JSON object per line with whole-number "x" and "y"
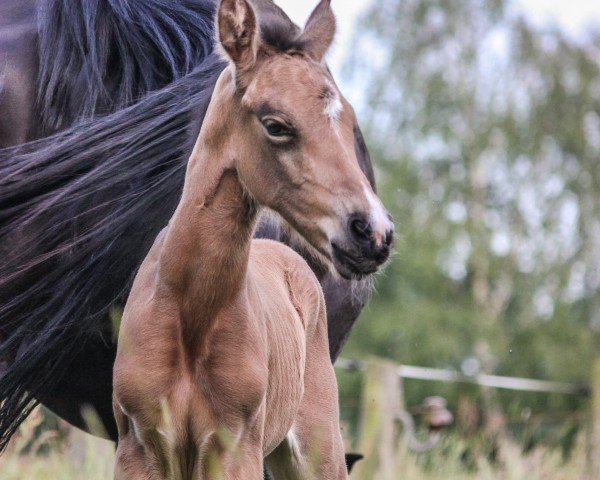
{"x": 366, "y": 247}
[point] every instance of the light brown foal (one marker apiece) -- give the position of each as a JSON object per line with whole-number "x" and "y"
{"x": 223, "y": 356}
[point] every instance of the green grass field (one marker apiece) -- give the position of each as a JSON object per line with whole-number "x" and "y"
{"x": 65, "y": 453}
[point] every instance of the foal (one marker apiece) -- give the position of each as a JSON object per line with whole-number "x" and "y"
{"x": 223, "y": 356}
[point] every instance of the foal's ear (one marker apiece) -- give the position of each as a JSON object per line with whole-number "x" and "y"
{"x": 319, "y": 31}
{"x": 238, "y": 33}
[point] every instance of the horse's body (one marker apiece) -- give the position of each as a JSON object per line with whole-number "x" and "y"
{"x": 235, "y": 396}
{"x": 18, "y": 70}
{"x": 223, "y": 356}
{"x": 80, "y": 209}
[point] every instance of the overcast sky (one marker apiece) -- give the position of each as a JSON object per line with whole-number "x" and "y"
{"x": 572, "y": 15}
{"x": 346, "y": 12}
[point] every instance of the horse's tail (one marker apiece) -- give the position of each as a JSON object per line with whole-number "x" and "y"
{"x": 97, "y": 56}
{"x": 77, "y": 213}
{"x": 76, "y": 209}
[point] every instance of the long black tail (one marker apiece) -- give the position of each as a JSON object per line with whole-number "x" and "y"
{"x": 98, "y": 56}
{"x": 78, "y": 209}
{"x": 78, "y": 212}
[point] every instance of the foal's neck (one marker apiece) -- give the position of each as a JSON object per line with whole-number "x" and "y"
{"x": 206, "y": 247}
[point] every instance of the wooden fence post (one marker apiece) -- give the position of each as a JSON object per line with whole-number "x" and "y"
{"x": 381, "y": 403}
{"x": 595, "y": 440}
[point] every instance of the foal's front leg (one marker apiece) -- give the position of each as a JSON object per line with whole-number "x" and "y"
{"x": 246, "y": 466}
{"x": 315, "y": 457}
{"x": 130, "y": 463}
{"x": 225, "y": 461}
{"x": 133, "y": 461}
{"x": 313, "y": 449}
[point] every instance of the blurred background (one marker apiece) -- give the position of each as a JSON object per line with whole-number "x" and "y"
{"x": 483, "y": 120}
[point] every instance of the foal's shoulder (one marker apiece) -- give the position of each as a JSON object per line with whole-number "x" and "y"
{"x": 302, "y": 284}
{"x": 280, "y": 256}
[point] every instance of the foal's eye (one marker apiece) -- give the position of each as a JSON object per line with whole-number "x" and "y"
{"x": 277, "y": 129}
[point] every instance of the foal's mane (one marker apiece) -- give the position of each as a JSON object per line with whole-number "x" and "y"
{"x": 278, "y": 35}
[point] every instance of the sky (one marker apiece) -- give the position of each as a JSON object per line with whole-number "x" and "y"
{"x": 571, "y": 15}
{"x": 346, "y": 12}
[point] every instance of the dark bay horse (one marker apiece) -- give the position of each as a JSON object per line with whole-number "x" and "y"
{"x": 109, "y": 96}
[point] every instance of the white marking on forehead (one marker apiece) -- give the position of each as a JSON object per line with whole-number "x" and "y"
{"x": 333, "y": 104}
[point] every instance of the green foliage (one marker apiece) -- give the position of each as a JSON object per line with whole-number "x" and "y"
{"x": 76, "y": 456}
{"x": 486, "y": 136}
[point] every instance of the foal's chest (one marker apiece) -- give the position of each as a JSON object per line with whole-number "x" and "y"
{"x": 232, "y": 372}
{"x": 253, "y": 368}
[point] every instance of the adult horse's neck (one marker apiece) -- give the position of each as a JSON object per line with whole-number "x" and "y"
{"x": 205, "y": 251}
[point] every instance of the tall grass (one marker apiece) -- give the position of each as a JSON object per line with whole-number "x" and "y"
{"x": 52, "y": 450}
{"x": 65, "y": 453}
{"x": 447, "y": 462}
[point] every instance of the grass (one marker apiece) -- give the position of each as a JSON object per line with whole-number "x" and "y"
{"x": 447, "y": 462}
{"x": 65, "y": 453}
{"x": 58, "y": 453}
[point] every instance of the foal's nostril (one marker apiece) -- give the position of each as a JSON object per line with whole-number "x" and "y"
{"x": 360, "y": 229}
{"x": 389, "y": 238}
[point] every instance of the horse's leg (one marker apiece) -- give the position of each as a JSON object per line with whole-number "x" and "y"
{"x": 297, "y": 459}
{"x": 246, "y": 466}
{"x": 244, "y": 461}
{"x": 313, "y": 449}
{"x": 131, "y": 460}
{"x": 284, "y": 463}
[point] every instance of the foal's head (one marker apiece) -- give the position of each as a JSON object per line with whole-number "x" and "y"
{"x": 291, "y": 135}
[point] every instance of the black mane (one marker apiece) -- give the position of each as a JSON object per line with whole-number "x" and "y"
{"x": 277, "y": 31}
{"x": 279, "y": 36}
{"x": 78, "y": 209}
{"x": 98, "y": 56}
{"x": 78, "y": 212}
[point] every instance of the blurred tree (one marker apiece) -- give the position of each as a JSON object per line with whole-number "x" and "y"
{"x": 486, "y": 135}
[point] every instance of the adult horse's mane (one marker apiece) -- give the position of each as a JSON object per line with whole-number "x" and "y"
{"x": 97, "y": 56}
{"x": 80, "y": 209}
{"x": 70, "y": 207}
{"x": 75, "y": 207}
